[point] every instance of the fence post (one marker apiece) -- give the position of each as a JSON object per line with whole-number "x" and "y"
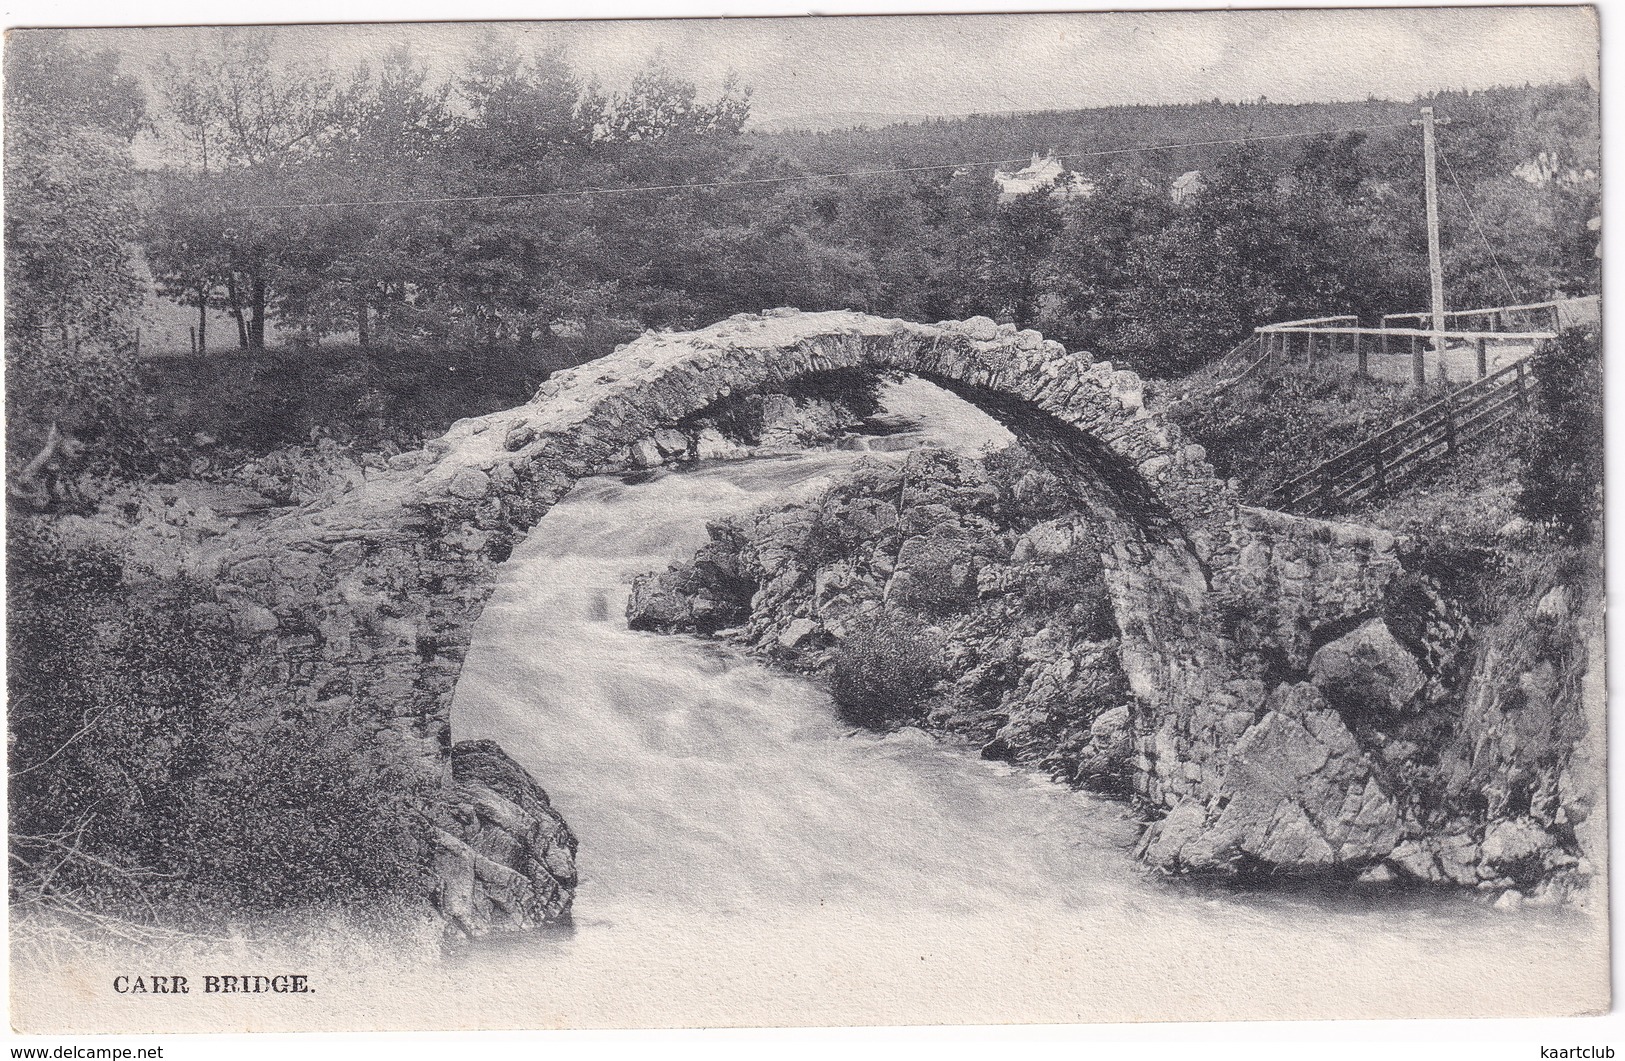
{"x": 1479, "y": 353}
{"x": 1359, "y": 353}
{"x": 1383, "y": 339}
{"x": 1418, "y": 372}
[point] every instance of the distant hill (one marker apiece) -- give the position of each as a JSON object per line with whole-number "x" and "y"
{"x": 911, "y": 140}
{"x": 827, "y": 121}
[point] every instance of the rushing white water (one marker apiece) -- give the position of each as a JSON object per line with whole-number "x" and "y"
{"x": 745, "y": 853}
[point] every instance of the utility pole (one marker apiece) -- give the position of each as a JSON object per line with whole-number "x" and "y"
{"x": 1435, "y": 261}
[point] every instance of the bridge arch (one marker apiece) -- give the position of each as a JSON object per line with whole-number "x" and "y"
{"x": 367, "y": 606}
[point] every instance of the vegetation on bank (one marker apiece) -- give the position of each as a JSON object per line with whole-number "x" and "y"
{"x": 145, "y": 786}
{"x": 1267, "y": 430}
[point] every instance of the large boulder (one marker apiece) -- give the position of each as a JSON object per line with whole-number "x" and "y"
{"x": 688, "y": 598}
{"x": 1368, "y": 672}
{"x": 504, "y": 859}
{"x": 1297, "y": 795}
{"x": 1104, "y": 763}
{"x": 659, "y": 602}
{"x": 1517, "y": 848}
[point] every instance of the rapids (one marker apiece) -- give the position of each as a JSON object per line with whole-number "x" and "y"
{"x": 747, "y": 858}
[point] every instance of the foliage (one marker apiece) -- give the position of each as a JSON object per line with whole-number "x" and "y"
{"x": 378, "y": 399}
{"x": 1563, "y": 439}
{"x": 1029, "y": 492}
{"x": 490, "y": 263}
{"x": 1463, "y": 502}
{"x": 936, "y": 576}
{"x": 887, "y": 671}
{"x": 1267, "y": 432}
{"x": 141, "y": 782}
{"x": 1075, "y": 582}
{"x": 70, "y": 219}
{"x": 1280, "y": 228}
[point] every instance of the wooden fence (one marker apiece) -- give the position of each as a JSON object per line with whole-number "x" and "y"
{"x": 1396, "y": 455}
{"x": 1328, "y": 339}
{"x": 1551, "y": 316}
{"x": 1217, "y": 376}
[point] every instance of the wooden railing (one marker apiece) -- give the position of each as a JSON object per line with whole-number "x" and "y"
{"x": 1400, "y": 452}
{"x": 1219, "y": 375}
{"x": 1532, "y": 316}
{"x": 1323, "y": 342}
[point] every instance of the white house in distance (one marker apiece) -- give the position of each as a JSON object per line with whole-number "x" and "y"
{"x": 1186, "y": 186}
{"x": 1041, "y": 173}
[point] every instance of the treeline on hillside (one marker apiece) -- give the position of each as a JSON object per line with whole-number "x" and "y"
{"x": 1521, "y": 115}
{"x": 389, "y": 206}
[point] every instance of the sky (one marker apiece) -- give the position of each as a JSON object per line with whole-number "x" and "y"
{"x": 957, "y": 64}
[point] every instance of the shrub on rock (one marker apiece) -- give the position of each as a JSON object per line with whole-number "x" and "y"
{"x": 886, "y": 671}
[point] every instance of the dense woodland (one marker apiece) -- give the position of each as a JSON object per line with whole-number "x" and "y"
{"x": 1286, "y": 227}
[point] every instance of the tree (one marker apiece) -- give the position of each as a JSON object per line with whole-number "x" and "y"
{"x": 961, "y": 217}
{"x": 71, "y": 220}
{"x": 250, "y": 124}
{"x": 1026, "y": 229}
{"x": 1091, "y": 256}
{"x": 1561, "y": 478}
{"x": 1194, "y": 287}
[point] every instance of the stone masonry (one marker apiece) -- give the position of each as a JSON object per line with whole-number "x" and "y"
{"x": 367, "y": 605}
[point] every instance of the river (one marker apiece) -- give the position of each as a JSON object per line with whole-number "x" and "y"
{"x": 746, "y": 858}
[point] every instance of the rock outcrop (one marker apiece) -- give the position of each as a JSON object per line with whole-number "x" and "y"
{"x": 1368, "y": 673}
{"x": 934, "y": 549}
{"x": 503, "y": 857}
{"x": 1298, "y": 794}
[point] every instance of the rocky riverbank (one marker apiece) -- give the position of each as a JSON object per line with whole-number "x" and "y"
{"x": 947, "y": 592}
{"x": 503, "y": 858}
{"x": 1412, "y": 717}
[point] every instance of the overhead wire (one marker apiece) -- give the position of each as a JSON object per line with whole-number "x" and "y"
{"x": 749, "y": 181}
{"x": 1467, "y": 202}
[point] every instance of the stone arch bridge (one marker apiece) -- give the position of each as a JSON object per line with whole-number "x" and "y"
{"x": 366, "y": 607}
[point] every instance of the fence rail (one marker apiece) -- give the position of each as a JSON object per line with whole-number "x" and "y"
{"x": 1397, "y": 454}
{"x": 1219, "y": 375}
{"x": 1552, "y": 315}
{"x": 1315, "y": 341}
